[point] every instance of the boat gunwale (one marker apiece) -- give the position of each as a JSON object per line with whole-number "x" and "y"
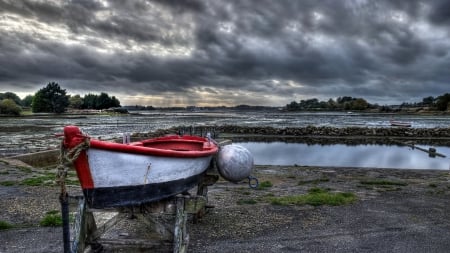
{"x": 208, "y": 148}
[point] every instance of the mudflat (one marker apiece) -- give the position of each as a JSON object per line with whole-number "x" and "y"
{"x": 394, "y": 211}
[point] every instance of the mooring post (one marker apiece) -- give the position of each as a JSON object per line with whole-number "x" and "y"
{"x": 64, "y": 200}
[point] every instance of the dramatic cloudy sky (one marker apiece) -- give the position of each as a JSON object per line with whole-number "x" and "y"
{"x": 215, "y": 52}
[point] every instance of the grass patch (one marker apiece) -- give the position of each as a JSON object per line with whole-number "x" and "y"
{"x": 316, "y": 197}
{"x": 72, "y": 182}
{"x": 48, "y": 179}
{"x": 264, "y": 185}
{"x": 433, "y": 185}
{"x": 4, "y": 172}
{"x": 24, "y": 169}
{"x": 7, "y": 183}
{"x": 5, "y": 225}
{"x": 51, "y": 219}
{"x": 383, "y": 183}
{"x": 246, "y": 202}
{"x": 315, "y": 181}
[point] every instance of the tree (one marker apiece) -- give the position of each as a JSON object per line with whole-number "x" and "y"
{"x": 89, "y": 101}
{"x": 115, "y": 102}
{"x": 11, "y": 95}
{"x": 359, "y": 104}
{"x": 27, "y": 101}
{"x": 428, "y": 101}
{"x": 76, "y": 102}
{"x": 293, "y": 106}
{"x": 50, "y": 99}
{"x": 92, "y": 101}
{"x": 103, "y": 101}
{"x": 442, "y": 102}
{"x": 8, "y": 106}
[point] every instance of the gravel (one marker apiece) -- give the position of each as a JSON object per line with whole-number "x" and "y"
{"x": 411, "y": 216}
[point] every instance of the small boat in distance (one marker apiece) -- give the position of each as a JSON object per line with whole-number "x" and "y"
{"x": 400, "y": 123}
{"x": 116, "y": 175}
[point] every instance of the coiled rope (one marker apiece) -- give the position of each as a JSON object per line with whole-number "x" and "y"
{"x": 66, "y": 159}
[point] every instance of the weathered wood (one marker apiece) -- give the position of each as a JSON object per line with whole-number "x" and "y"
{"x": 136, "y": 245}
{"x": 95, "y": 234}
{"x": 431, "y": 151}
{"x": 87, "y": 232}
{"x": 224, "y": 142}
{"x": 79, "y": 229}
{"x": 181, "y": 238}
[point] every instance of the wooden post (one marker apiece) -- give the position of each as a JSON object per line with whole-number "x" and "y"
{"x": 181, "y": 238}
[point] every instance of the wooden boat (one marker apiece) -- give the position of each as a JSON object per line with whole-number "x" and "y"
{"x": 400, "y": 123}
{"x": 115, "y": 175}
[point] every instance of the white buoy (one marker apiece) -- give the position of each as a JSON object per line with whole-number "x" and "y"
{"x": 234, "y": 163}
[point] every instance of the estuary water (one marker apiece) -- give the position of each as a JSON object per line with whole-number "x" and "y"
{"x": 35, "y": 133}
{"x": 340, "y": 155}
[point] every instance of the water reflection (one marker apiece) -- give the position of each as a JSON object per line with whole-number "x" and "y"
{"x": 375, "y": 156}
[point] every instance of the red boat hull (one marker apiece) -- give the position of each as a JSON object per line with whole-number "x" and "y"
{"x": 114, "y": 174}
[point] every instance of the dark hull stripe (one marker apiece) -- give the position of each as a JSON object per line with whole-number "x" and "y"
{"x": 107, "y": 197}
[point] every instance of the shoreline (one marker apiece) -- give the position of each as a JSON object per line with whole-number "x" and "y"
{"x": 408, "y": 215}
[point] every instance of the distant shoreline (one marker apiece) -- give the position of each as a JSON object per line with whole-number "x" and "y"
{"x": 73, "y": 112}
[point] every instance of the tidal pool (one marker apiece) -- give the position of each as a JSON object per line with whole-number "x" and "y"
{"x": 341, "y": 155}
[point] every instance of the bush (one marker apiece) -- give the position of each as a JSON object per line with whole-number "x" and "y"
{"x": 9, "y": 107}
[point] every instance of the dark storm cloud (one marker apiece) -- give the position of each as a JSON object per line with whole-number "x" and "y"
{"x": 385, "y": 51}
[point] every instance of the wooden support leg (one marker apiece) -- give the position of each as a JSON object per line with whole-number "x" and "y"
{"x": 202, "y": 190}
{"x": 181, "y": 237}
{"x": 79, "y": 242}
{"x": 84, "y": 229}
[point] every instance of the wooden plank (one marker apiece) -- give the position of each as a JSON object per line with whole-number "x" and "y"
{"x": 100, "y": 230}
{"x": 136, "y": 245}
{"x": 194, "y": 204}
{"x": 181, "y": 238}
{"x": 79, "y": 229}
{"x": 170, "y": 234}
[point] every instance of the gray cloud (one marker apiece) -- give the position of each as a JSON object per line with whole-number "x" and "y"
{"x": 232, "y": 52}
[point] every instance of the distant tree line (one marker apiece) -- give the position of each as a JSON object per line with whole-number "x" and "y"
{"x": 93, "y": 101}
{"x": 341, "y": 103}
{"x": 52, "y": 98}
{"x": 439, "y": 103}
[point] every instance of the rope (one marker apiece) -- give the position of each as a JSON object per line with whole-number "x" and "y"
{"x": 66, "y": 158}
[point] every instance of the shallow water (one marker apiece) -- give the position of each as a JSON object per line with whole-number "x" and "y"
{"x": 29, "y": 134}
{"x": 340, "y": 155}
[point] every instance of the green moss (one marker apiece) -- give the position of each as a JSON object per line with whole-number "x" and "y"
{"x": 315, "y": 181}
{"x": 48, "y": 179}
{"x": 264, "y": 185}
{"x": 316, "y": 197}
{"x": 246, "y": 202}
{"x": 5, "y": 225}
{"x": 7, "y": 183}
{"x": 72, "y": 182}
{"x": 24, "y": 169}
{"x": 51, "y": 219}
{"x": 383, "y": 182}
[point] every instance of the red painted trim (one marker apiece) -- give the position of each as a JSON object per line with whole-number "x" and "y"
{"x": 73, "y": 137}
{"x": 167, "y": 146}
{"x": 84, "y": 171}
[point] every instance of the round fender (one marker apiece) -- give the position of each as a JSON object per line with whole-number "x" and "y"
{"x": 234, "y": 163}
